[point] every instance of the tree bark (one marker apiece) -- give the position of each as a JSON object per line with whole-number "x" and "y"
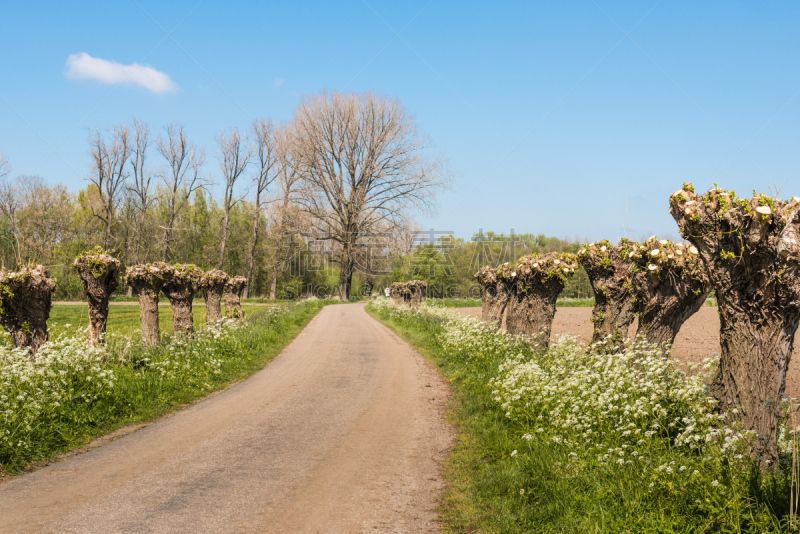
{"x": 181, "y": 283}
{"x": 346, "y": 277}
{"x": 213, "y": 285}
{"x": 147, "y": 281}
{"x": 536, "y": 281}
{"x": 273, "y": 285}
{"x": 418, "y": 290}
{"x": 669, "y": 285}
{"x": 400, "y": 293}
{"x": 231, "y": 296}
{"x": 99, "y": 274}
{"x": 750, "y": 248}
{"x": 251, "y": 257}
{"x": 25, "y": 299}
{"x": 226, "y": 219}
{"x": 494, "y": 296}
{"x": 611, "y": 280}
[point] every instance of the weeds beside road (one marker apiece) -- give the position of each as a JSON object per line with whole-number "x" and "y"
{"x": 568, "y": 440}
{"x": 73, "y": 393}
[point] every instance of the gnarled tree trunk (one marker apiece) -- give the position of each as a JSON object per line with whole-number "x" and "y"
{"x": 147, "y": 281}
{"x": 670, "y": 284}
{"x": 536, "y": 283}
{"x": 418, "y": 289}
{"x": 213, "y": 285}
{"x": 231, "y": 296}
{"x": 494, "y": 296}
{"x": 611, "y": 279}
{"x": 26, "y": 296}
{"x": 181, "y": 283}
{"x": 400, "y": 293}
{"x": 750, "y": 249}
{"x": 99, "y": 274}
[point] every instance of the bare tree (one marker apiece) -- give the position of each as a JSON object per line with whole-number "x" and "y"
{"x": 108, "y": 173}
{"x": 9, "y": 206}
{"x": 365, "y": 163}
{"x": 181, "y": 179}
{"x": 5, "y": 168}
{"x": 235, "y": 154}
{"x": 140, "y": 189}
{"x": 266, "y": 151}
{"x": 285, "y": 214}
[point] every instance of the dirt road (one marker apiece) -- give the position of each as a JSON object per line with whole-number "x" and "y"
{"x": 343, "y": 432}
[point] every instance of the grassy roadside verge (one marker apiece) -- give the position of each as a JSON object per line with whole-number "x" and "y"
{"x": 481, "y": 490}
{"x": 75, "y": 394}
{"x": 569, "y": 440}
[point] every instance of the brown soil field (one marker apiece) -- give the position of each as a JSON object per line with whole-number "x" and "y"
{"x": 698, "y": 338}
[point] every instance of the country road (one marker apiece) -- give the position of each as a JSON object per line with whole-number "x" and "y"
{"x": 342, "y": 432}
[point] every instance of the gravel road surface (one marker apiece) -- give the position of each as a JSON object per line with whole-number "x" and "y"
{"x": 343, "y": 432}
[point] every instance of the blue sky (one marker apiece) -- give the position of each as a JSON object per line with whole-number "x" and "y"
{"x": 554, "y": 116}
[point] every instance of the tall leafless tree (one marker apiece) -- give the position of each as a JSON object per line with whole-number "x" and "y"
{"x": 140, "y": 189}
{"x": 5, "y": 168}
{"x": 365, "y": 163}
{"x": 109, "y": 158}
{"x": 266, "y": 152}
{"x": 181, "y": 179}
{"x": 285, "y": 216}
{"x": 235, "y": 154}
{"x": 9, "y": 205}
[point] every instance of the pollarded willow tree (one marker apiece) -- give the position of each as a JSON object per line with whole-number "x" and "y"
{"x": 232, "y": 296}
{"x": 99, "y": 272}
{"x": 400, "y": 293}
{"x": 494, "y": 296}
{"x": 750, "y": 249}
{"x": 611, "y": 280}
{"x": 25, "y": 298}
{"x": 213, "y": 285}
{"x": 418, "y": 290}
{"x": 535, "y": 283}
{"x": 366, "y": 167}
{"x": 181, "y": 283}
{"x": 147, "y": 281}
{"x": 669, "y": 285}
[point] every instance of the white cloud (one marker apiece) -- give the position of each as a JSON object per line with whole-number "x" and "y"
{"x": 84, "y": 66}
{"x": 279, "y": 82}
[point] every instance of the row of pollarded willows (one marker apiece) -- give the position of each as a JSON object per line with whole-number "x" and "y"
{"x": 180, "y": 283}
{"x": 26, "y": 297}
{"x": 409, "y": 293}
{"x": 661, "y": 282}
{"x": 746, "y": 249}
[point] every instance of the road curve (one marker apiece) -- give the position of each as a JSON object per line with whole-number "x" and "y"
{"x": 342, "y": 432}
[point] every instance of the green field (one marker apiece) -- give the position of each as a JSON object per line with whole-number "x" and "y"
{"x": 122, "y": 320}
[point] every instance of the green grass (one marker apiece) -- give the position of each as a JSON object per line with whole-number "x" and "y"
{"x": 149, "y": 381}
{"x": 122, "y": 320}
{"x": 484, "y": 479}
{"x": 575, "y": 303}
{"x": 454, "y": 303}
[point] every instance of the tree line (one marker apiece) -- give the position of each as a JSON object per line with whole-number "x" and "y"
{"x": 349, "y": 171}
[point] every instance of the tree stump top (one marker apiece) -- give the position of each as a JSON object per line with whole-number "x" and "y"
{"x": 214, "y": 277}
{"x": 486, "y": 275}
{"x": 541, "y": 268}
{"x": 660, "y": 257}
{"x": 414, "y": 285}
{"x": 147, "y": 273}
{"x": 399, "y": 288}
{"x": 236, "y": 282}
{"x": 31, "y": 276}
